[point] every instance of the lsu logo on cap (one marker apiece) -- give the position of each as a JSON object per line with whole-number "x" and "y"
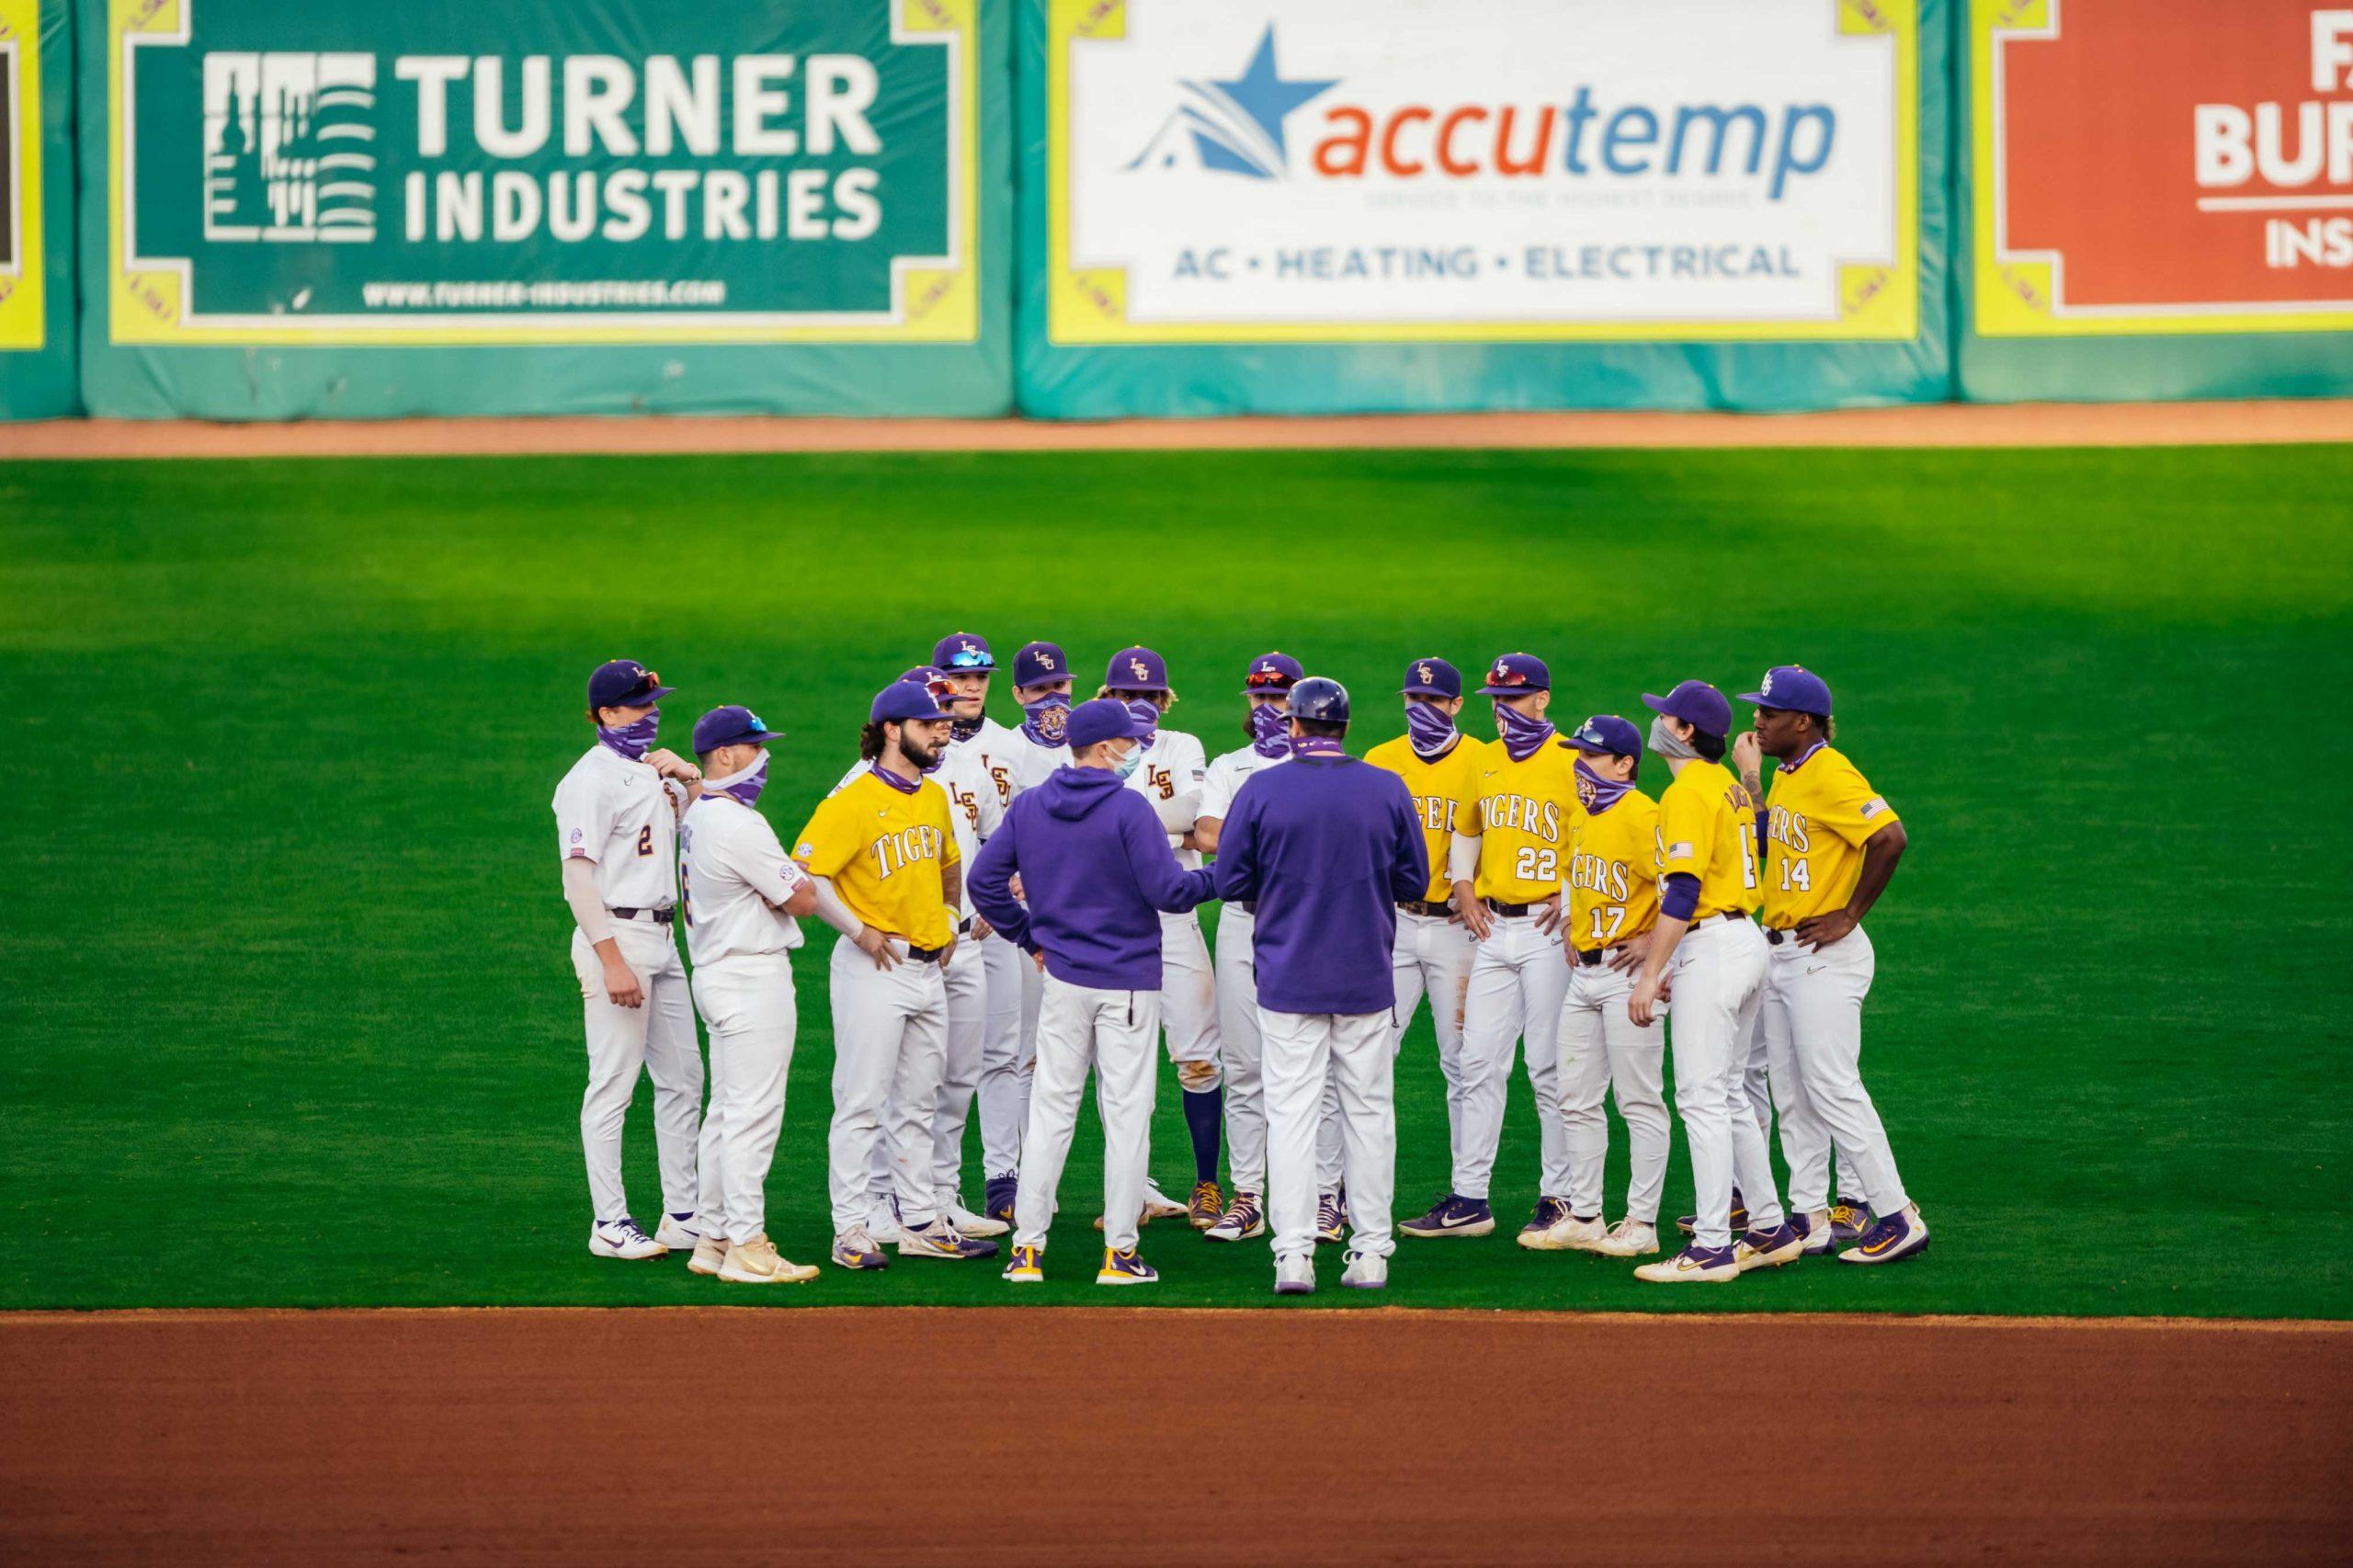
{"x": 1504, "y": 676}
{"x": 1140, "y": 670}
{"x": 1765, "y": 687}
{"x": 1429, "y": 676}
{"x": 1045, "y": 661}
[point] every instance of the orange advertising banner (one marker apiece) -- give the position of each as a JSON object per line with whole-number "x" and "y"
{"x": 2158, "y": 167}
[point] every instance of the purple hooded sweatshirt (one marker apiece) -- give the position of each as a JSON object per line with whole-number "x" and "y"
{"x": 1096, "y": 871}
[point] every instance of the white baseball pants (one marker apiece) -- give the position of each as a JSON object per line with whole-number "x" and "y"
{"x": 1433, "y": 956}
{"x": 889, "y": 1041}
{"x": 1602, "y": 1050}
{"x": 1008, "y": 1049}
{"x": 658, "y": 1036}
{"x": 1719, "y": 986}
{"x": 747, "y": 1005}
{"x": 1189, "y": 1001}
{"x": 1811, "y": 1022}
{"x": 1756, "y": 1082}
{"x": 1110, "y": 1032}
{"x": 1241, "y": 1055}
{"x": 1305, "y": 1052}
{"x": 966, "y": 981}
{"x": 1517, "y": 982}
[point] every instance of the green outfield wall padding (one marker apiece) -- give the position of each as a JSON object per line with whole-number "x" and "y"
{"x": 1233, "y": 207}
{"x": 444, "y": 207}
{"x": 37, "y": 379}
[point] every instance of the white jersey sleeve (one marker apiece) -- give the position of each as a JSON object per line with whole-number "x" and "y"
{"x": 1223, "y": 777}
{"x": 583, "y": 820}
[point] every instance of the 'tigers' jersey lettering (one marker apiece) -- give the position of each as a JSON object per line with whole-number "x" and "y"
{"x": 896, "y": 851}
{"x": 1437, "y": 812}
{"x": 1786, "y": 827}
{"x": 1541, "y": 818}
{"x": 1598, "y": 875}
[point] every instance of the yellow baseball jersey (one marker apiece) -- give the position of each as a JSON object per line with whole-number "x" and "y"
{"x": 1817, "y": 815}
{"x": 1613, "y": 873}
{"x": 1527, "y": 811}
{"x": 1445, "y": 794}
{"x": 1707, "y": 826}
{"x": 885, "y": 852}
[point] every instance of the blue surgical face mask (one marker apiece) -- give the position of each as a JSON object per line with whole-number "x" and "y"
{"x": 631, "y": 740}
{"x": 1125, "y": 768}
{"x": 1046, "y": 717}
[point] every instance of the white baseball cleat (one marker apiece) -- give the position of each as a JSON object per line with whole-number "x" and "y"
{"x": 1628, "y": 1238}
{"x": 1695, "y": 1264}
{"x": 622, "y": 1238}
{"x": 1567, "y": 1233}
{"x": 972, "y": 1224}
{"x": 755, "y": 1263}
{"x": 1295, "y": 1274}
{"x": 1768, "y": 1249}
{"x": 1815, "y": 1229}
{"x": 678, "y": 1233}
{"x": 885, "y": 1228}
{"x": 709, "y": 1253}
{"x": 1158, "y": 1205}
{"x": 1365, "y": 1272}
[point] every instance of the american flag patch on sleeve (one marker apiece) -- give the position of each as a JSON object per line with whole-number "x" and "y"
{"x": 1873, "y": 806}
{"x": 1679, "y": 851}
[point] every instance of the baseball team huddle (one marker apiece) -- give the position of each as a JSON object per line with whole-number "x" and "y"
{"x": 1017, "y": 908}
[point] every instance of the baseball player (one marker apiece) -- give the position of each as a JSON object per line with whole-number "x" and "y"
{"x": 1440, "y": 768}
{"x": 1094, "y": 861}
{"x": 1506, "y": 862}
{"x": 1265, "y": 686}
{"x": 1041, "y": 685}
{"x": 974, "y": 814}
{"x": 741, "y": 896}
{"x": 1831, "y": 844}
{"x": 1169, "y": 773}
{"x": 1706, "y": 876}
{"x": 1612, "y": 875}
{"x": 890, "y": 879}
{"x": 1323, "y": 846}
{"x": 616, "y": 831}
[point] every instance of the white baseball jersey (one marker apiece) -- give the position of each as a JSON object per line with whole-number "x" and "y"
{"x": 619, "y": 815}
{"x": 1224, "y": 778}
{"x": 1000, "y": 748}
{"x": 736, "y": 875}
{"x": 1032, "y": 761}
{"x": 974, "y": 804}
{"x": 1171, "y": 776}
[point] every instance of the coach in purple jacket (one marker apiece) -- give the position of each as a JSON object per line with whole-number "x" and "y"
{"x": 1096, "y": 872}
{"x": 1323, "y": 846}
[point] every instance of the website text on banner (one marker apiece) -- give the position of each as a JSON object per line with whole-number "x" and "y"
{"x": 509, "y": 173}
{"x": 2168, "y": 173}
{"x": 1524, "y": 172}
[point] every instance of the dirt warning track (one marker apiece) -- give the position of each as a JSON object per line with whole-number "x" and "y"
{"x": 945, "y": 1436}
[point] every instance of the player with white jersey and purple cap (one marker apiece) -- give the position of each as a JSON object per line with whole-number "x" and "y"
{"x": 1169, "y": 768}
{"x": 1042, "y": 687}
{"x": 742, "y": 896}
{"x": 1266, "y": 685}
{"x": 616, "y": 833}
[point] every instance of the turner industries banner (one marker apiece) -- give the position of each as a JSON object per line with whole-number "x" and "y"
{"x": 1400, "y": 171}
{"x": 475, "y": 172}
{"x": 2162, "y": 167}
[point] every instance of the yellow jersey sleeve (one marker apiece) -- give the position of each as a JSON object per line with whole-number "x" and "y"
{"x": 1685, "y": 832}
{"x": 828, "y": 839}
{"x": 1846, "y": 803}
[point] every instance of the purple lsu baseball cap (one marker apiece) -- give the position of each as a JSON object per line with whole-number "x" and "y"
{"x": 930, "y": 678}
{"x": 962, "y": 651}
{"x": 1697, "y": 704}
{"x": 1607, "y": 736}
{"x": 1136, "y": 669}
{"x": 732, "y": 725}
{"x": 1432, "y": 677}
{"x": 625, "y": 683}
{"x": 1039, "y": 664}
{"x": 1793, "y": 688}
{"x": 905, "y": 699}
{"x": 1101, "y": 719}
{"x": 1516, "y": 675}
{"x": 1273, "y": 672}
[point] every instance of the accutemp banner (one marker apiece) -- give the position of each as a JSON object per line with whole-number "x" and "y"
{"x": 1400, "y": 171}
{"x": 521, "y": 172}
{"x": 2161, "y": 166}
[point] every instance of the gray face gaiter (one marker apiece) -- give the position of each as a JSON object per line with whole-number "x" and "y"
{"x": 1665, "y": 740}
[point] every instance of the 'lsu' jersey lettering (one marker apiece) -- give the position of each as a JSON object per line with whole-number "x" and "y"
{"x": 1707, "y": 827}
{"x": 1613, "y": 873}
{"x": 1817, "y": 816}
{"x": 885, "y": 852}
{"x": 1445, "y": 794}
{"x": 1525, "y": 812}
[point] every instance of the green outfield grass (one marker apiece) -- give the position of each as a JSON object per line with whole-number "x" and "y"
{"x": 290, "y": 1019}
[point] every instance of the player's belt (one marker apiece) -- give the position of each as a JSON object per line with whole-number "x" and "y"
{"x": 964, "y": 926}
{"x": 662, "y": 916}
{"x": 1588, "y": 957}
{"x": 1723, "y": 915}
{"x": 1426, "y": 906}
{"x": 1500, "y": 907}
{"x": 924, "y": 955}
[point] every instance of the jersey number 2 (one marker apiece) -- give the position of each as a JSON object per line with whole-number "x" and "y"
{"x": 646, "y": 840}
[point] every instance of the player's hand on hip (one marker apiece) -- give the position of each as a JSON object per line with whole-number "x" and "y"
{"x": 1039, "y": 959}
{"x": 1819, "y": 931}
{"x": 1628, "y": 956}
{"x": 1013, "y": 886}
{"x": 1548, "y": 915}
{"x": 876, "y": 945}
{"x": 621, "y": 987}
{"x": 1639, "y": 1006}
{"x": 949, "y": 951}
{"x": 1473, "y": 914}
{"x": 980, "y": 929}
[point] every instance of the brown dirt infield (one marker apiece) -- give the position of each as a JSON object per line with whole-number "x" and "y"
{"x": 945, "y": 1436}
{"x": 1928, "y": 425}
